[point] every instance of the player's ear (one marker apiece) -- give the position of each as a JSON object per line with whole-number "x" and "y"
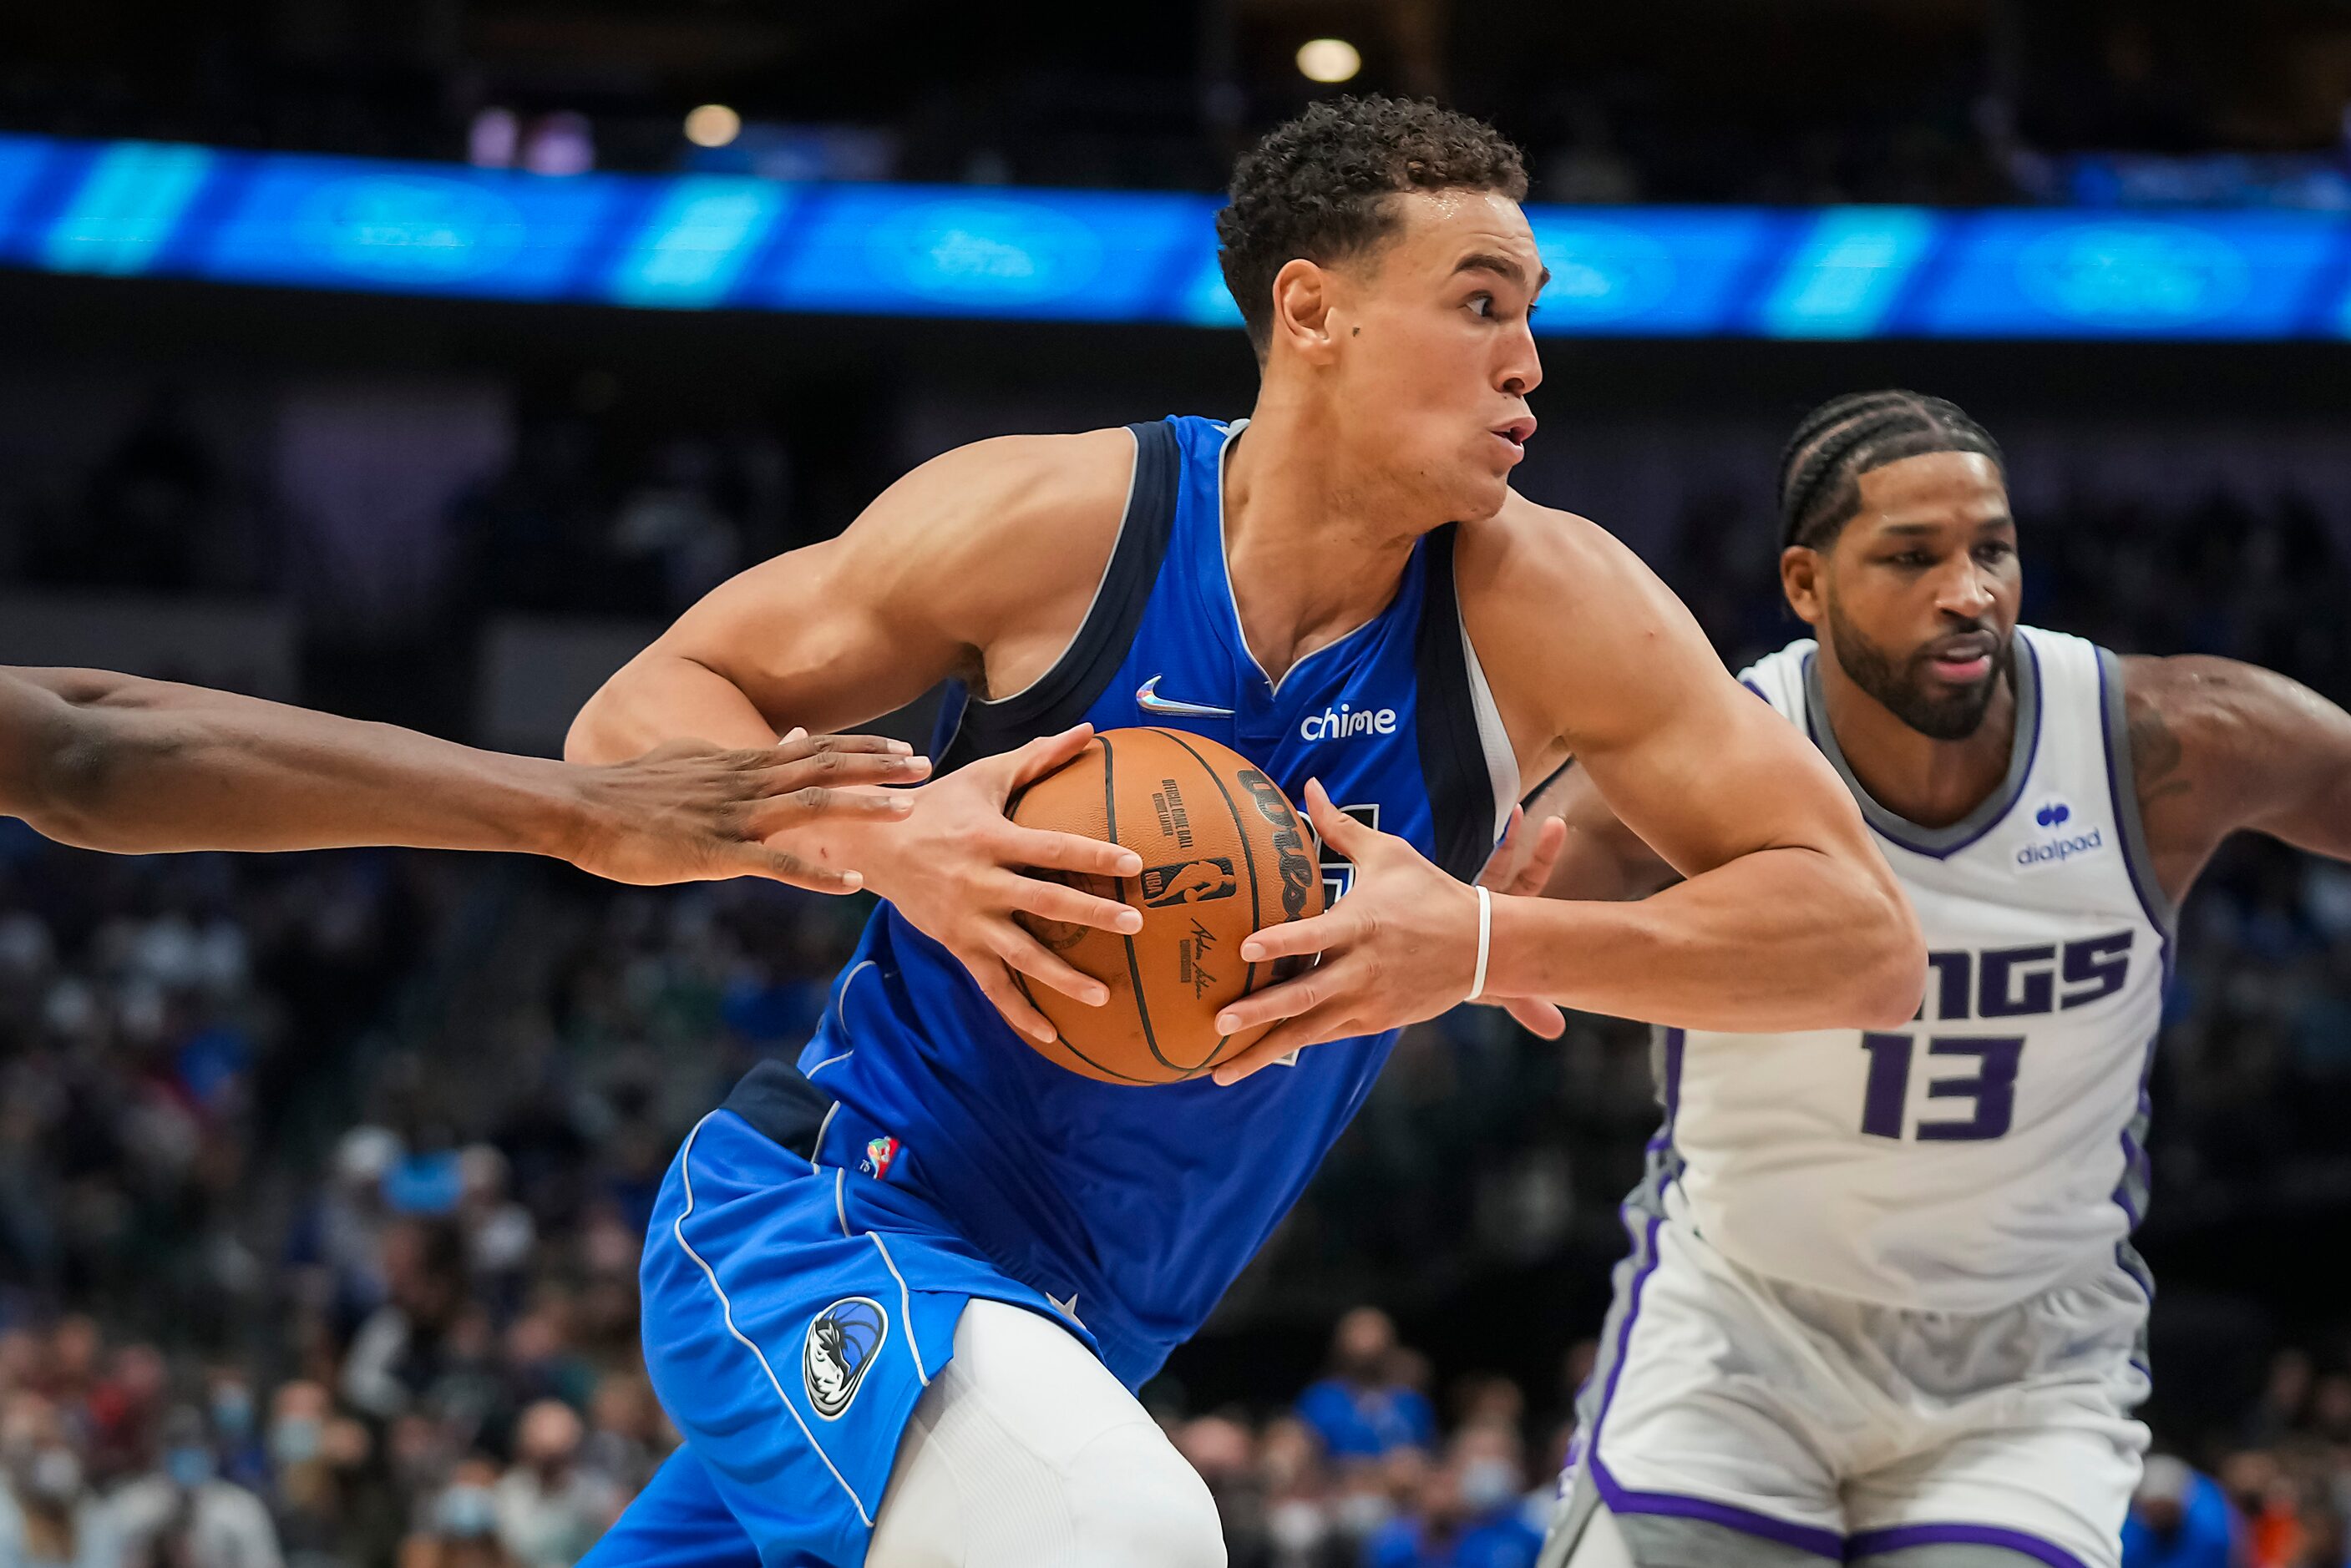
{"x": 1301, "y": 309}
{"x": 1800, "y": 579}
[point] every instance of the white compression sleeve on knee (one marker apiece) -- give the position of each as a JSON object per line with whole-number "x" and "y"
{"x": 1025, "y": 1452}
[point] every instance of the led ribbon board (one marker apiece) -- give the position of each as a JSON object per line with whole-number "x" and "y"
{"x": 697, "y": 241}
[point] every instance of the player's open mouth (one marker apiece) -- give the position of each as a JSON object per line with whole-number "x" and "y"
{"x": 1963, "y": 660}
{"x": 1517, "y": 432}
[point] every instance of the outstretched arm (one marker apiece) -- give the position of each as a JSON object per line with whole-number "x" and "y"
{"x": 1788, "y": 917}
{"x": 2218, "y": 746}
{"x": 116, "y": 763}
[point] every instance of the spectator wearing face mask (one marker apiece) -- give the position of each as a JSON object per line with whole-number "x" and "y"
{"x": 551, "y": 1509}
{"x": 49, "y": 1518}
{"x": 1467, "y": 1514}
{"x": 461, "y": 1524}
{"x": 185, "y": 1515}
{"x": 1364, "y": 1409}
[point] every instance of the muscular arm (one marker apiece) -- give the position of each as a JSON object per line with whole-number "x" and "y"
{"x": 1599, "y": 857}
{"x": 1786, "y": 916}
{"x": 2218, "y": 746}
{"x": 979, "y": 564}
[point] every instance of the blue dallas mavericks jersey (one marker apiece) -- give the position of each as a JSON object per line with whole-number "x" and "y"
{"x": 1134, "y": 1208}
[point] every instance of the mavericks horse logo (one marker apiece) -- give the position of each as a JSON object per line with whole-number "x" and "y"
{"x": 841, "y": 1344}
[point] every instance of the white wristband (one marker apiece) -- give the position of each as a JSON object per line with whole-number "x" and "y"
{"x": 1484, "y": 942}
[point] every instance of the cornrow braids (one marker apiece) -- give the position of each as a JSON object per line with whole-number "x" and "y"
{"x": 1845, "y": 438}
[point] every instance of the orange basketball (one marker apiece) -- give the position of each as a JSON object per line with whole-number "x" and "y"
{"x": 1224, "y": 854}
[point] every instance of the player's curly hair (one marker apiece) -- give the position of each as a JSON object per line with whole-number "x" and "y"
{"x": 1318, "y": 187}
{"x": 1845, "y": 438}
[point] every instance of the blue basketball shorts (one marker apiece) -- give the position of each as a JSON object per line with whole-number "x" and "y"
{"x": 794, "y": 1314}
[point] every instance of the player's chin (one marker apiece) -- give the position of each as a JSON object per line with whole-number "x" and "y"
{"x": 1478, "y": 491}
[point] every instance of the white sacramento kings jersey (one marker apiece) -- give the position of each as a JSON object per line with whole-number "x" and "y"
{"x": 1993, "y": 1146}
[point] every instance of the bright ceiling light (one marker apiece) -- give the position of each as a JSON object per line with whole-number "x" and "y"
{"x": 1329, "y": 60}
{"x": 713, "y": 125}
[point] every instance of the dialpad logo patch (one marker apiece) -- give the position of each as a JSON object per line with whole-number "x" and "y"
{"x": 842, "y": 1345}
{"x": 1188, "y": 882}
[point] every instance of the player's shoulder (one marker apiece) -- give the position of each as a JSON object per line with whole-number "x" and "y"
{"x": 1021, "y": 482}
{"x": 2184, "y": 709}
{"x": 1545, "y": 560}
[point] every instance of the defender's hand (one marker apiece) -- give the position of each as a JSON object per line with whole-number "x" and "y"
{"x": 1522, "y": 867}
{"x": 960, "y": 870}
{"x": 1400, "y": 947}
{"x": 691, "y": 813}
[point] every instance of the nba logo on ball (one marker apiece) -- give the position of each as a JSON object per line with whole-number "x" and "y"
{"x": 841, "y": 1344}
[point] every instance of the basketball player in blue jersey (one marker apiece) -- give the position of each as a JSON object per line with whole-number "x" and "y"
{"x": 896, "y": 1297}
{"x": 1882, "y": 1305}
{"x": 139, "y": 767}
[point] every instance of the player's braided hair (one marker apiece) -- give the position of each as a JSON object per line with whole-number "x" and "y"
{"x": 1318, "y": 186}
{"x": 1847, "y": 437}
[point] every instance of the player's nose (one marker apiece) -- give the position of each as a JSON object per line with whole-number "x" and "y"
{"x": 1521, "y": 371}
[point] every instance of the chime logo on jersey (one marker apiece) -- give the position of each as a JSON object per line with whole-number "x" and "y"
{"x": 842, "y": 1345}
{"x": 2057, "y": 846}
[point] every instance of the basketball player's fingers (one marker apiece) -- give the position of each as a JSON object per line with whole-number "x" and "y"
{"x": 800, "y": 744}
{"x": 1024, "y": 952}
{"x": 782, "y": 813}
{"x": 1060, "y": 902}
{"x": 1050, "y": 851}
{"x": 1340, "y": 831}
{"x": 839, "y": 770}
{"x": 1329, "y": 1022}
{"x": 1535, "y": 875}
{"x": 1295, "y": 938}
{"x": 1499, "y": 868}
{"x": 997, "y": 984}
{"x": 1043, "y": 754}
{"x": 776, "y": 866}
{"x": 1292, "y": 997}
{"x": 1536, "y": 1016}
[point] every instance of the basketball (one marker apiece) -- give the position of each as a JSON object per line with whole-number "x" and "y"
{"x": 1224, "y": 854}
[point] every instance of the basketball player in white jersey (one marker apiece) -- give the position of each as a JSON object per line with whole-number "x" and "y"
{"x": 1881, "y": 1306}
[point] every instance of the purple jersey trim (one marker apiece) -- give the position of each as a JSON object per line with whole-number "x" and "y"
{"x": 1802, "y": 1536}
{"x": 2007, "y": 803}
{"x": 1821, "y": 1542}
{"x": 1870, "y": 1541}
{"x": 1752, "y": 686}
{"x": 2149, "y": 901}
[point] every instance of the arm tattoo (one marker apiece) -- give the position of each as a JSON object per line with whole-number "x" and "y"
{"x": 2156, "y": 756}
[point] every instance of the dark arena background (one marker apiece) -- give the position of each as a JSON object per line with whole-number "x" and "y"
{"x": 419, "y": 359}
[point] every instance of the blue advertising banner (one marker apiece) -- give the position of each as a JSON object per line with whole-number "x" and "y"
{"x": 699, "y": 242}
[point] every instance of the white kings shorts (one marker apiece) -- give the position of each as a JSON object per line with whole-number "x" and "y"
{"x": 1844, "y": 1429}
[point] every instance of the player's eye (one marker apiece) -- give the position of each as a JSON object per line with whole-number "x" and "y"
{"x": 1992, "y": 554}
{"x": 1481, "y": 304}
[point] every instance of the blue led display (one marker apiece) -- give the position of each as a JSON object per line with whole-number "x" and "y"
{"x": 710, "y": 241}
{"x": 2128, "y": 275}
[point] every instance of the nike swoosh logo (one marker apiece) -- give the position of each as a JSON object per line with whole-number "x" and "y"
{"x": 1147, "y": 698}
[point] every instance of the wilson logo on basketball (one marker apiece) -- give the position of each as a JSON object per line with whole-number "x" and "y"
{"x": 1190, "y": 882}
{"x": 1298, "y": 872}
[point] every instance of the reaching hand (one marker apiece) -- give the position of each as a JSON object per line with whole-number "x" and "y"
{"x": 1400, "y": 947}
{"x": 960, "y": 870}
{"x": 688, "y": 812}
{"x": 1523, "y": 870}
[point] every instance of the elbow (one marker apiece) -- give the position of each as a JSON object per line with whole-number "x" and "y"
{"x": 76, "y": 763}
{"x": 591, "y": 738}
{"x": 1892, "y": 974}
